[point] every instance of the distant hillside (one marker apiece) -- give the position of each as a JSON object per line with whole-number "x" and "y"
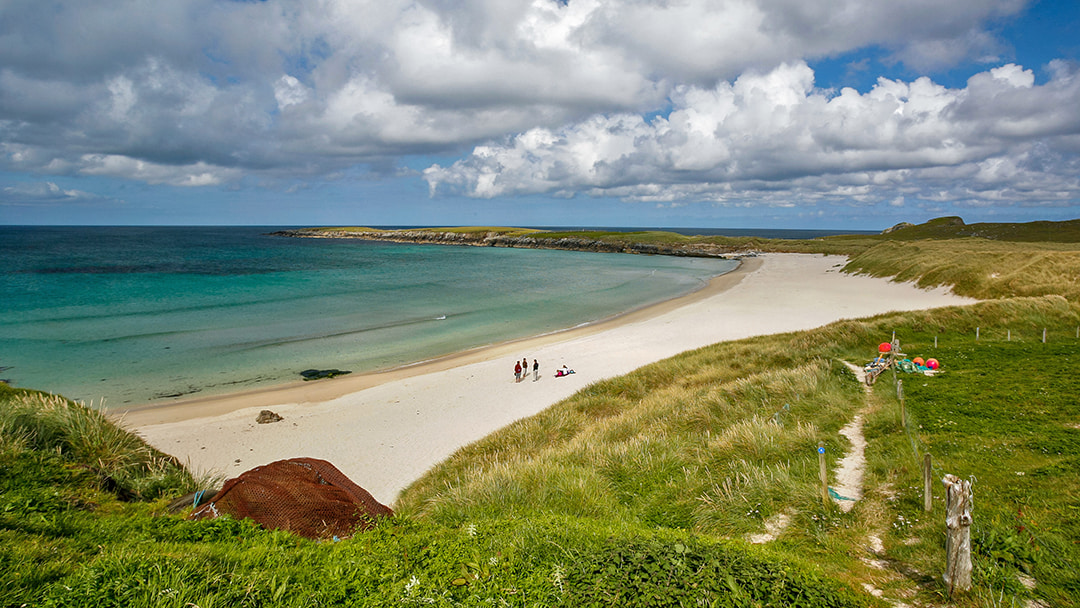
{"x": 954, "y": 227}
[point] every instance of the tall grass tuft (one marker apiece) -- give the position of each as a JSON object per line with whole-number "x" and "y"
{"x": 977, "y": 267}
{"x": 121, "y": 461}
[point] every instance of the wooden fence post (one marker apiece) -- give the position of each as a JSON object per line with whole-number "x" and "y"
{"x": 823, "y": 473}
{"x": 928, "y": 498}
{"x": 935, "y": 341}
{"x": 957, "y": 576}
{"x": 1010, "y": 336}
{"x": 976, "y": 334}
{"x": 900, "y": 396}
{"x": 893, "y": 356}
{"x": 1044, "y": 335}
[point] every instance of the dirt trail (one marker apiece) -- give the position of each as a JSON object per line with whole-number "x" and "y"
{"x": 849, "y": 475}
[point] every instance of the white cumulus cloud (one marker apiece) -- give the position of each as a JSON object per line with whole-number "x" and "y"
{"x": 774, "y": 131}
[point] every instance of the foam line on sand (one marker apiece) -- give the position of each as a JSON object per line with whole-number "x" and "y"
{"x": 385, "y": 430}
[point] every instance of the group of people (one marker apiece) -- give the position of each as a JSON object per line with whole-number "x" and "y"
{"x": 521, "y": 370}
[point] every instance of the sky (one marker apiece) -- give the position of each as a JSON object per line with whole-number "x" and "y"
{"x": 825, "y": 114}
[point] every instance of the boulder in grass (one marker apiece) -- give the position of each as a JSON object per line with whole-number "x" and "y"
{"x": 306, "y": 496}
{"x": 266, "y": 417}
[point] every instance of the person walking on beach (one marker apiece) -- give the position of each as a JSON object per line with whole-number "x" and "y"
{"x": 524, "y": 367}
{"x": 517, "y": 371}
{"x": 536, "y": 370}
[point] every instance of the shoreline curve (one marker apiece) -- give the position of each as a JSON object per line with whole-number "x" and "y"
{"x": 299, "y": 391}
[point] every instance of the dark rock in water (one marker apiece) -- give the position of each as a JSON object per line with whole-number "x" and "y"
{"x": 315, "y": 374}
{"x": 266, "y": 417}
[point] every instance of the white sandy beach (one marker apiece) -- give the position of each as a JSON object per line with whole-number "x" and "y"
{"x": 385, "y": 430}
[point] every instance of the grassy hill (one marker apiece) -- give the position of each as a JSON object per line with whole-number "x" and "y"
{"x": 954, "y": 227}
{"x": 643, "y": 490}
{"x": 68, "y": 537}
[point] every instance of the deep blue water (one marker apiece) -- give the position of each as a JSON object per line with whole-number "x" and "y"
{"x": 136, "y": 314}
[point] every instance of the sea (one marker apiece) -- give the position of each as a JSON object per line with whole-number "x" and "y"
{"x": 122, "y": 316}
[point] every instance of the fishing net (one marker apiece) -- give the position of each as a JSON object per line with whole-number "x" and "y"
{"x": 306, "y": 496}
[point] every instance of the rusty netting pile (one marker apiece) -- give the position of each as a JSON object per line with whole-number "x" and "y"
{"x": 306, "y": 496}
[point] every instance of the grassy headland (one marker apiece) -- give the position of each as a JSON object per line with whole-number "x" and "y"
{"x": 982, "y": 260}
{"x": 640, "y": 490}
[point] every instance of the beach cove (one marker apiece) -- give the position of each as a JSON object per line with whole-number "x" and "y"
{"x": 384, "y": 430}
{"x": 127, "y": 316}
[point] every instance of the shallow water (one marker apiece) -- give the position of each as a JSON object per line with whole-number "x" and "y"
{"x": 130, "y": 315}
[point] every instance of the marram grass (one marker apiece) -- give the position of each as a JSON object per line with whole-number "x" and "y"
{"x": 721, "y": 441}
{"x": 652, "y": 460}
{"x": 977, "y": 267}
{"x": 120, "y": 460}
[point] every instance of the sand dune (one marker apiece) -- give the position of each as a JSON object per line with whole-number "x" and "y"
{"x": 385, "y": 430}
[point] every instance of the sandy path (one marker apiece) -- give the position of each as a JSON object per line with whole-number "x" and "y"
{"x": 850, "y": 472}
{"x": 394, "y": 427}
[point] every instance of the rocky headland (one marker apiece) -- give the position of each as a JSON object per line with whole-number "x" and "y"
{"x": 532, "y": 240}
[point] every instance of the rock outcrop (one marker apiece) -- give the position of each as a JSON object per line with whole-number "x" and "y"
{"x": 266, "y": 417}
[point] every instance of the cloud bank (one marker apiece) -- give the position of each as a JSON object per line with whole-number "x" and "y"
{"x": 774, "y": 138}
{"x": 659, "y": 100}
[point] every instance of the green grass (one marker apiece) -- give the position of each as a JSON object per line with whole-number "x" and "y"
{"x": 72, "y": 535}
{"x": 978, "y": 268}
{"x": 1019, "y": 440}
{"x": 118, "y": 460}
{"x": 954, "y": 227}
{"x": 719, "y": 440}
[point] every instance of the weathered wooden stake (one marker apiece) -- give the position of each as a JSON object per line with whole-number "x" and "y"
{"x": 928, "y": 498}
{"x": 1044, "y": 335}
{"x": 957, "y": 575}
{"x": 893, "y": 355}
{"x": 900, "y": 396}
{"x": 976, "y": 334}
{"x": 1009, "y": 336}
{"x": 893, "y": 336}
{"x": 935, "y": 341}
{"x": 823, "y": 473}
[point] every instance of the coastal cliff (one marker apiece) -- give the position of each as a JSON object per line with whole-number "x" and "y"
{"x": 529, "y": 240}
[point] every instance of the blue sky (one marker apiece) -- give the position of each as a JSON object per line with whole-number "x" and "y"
{"x": 832, "y": 114}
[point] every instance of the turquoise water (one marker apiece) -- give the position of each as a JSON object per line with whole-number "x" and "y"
{"x": 134, "y": 315}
